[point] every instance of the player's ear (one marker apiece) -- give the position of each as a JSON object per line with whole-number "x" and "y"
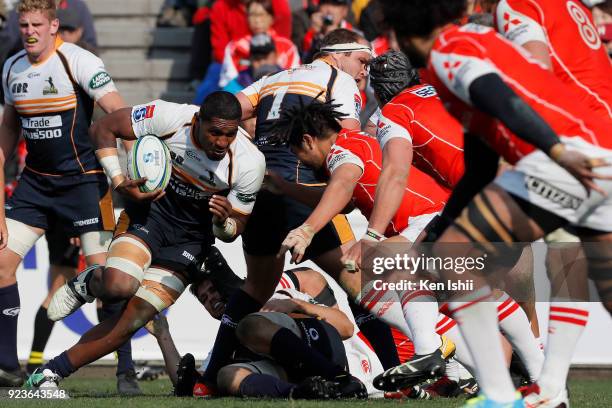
{"x": 309, "y": 141}
{"x": 55, "y": 26}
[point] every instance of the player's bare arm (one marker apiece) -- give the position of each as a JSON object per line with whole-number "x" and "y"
{"x": 104, "y": 134}
{"x": 9, "y": 133}
{"x": 331, "y": 315}
{"x": 336, "y": 197}
{"x": 539, "y": 51}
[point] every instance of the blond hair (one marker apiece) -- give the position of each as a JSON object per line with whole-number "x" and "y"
{"x": 46, "y": 6}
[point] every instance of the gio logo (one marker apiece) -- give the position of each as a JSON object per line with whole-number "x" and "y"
{"x": 13, "y": 311}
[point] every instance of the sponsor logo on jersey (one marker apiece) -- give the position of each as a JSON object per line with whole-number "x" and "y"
{"x": 32, "y": 75}
{"x": 81, "y": 223}
{"x": 42, "y": 122}
{"x": 13, "y": 311}
{"x": 246, "y": 197}
{"x": 51, "y": 89}
{"x": 188, "y": 256}
{"x": 552, "y": 193}
{"x": 509, "y": 21}
{"x": 19, "y": 88}
{"x": 365, "y": 366}
{"x": 193, "y": 155}
{"x": 99, "y": 80}
{"x": 357, "y": 104}
{"x": 226, "y": 320}
{"x": 424, "y": 92}
{"x": 451, "y": 68}
{"x": 142, "y": 113}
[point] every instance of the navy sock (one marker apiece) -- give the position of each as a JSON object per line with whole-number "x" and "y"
{"x": 239, "y": 305}
{"x": 60, "y": 365}
{"x": 9, "y": 313}
{"x": 297, "y": 357}
{"x": 265, "y": 386}
{"x": 378, "y": 334}
{"x": 124, "y": 352}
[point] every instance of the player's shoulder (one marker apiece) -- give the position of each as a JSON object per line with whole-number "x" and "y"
{"x": 73, "y": 53}
{"x": 160, "y": 109}
{"x": 247, "y": 154}
{"x": 14, "y": 58}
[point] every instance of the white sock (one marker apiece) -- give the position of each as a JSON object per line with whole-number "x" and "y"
{"x": 453, "y": 370}
{"x": 515, "y": 326}
{"x": 566, "y": 323}
{"x": 476, "y": 316}
{"x": 385, "y": 305}
{"x": 448, "y": 327}
{"x": 420, "y": 309}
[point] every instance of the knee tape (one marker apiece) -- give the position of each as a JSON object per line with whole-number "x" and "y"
{"x": 21, "y": 237}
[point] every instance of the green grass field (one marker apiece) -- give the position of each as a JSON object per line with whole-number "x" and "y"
{"x": 91, "y": 393}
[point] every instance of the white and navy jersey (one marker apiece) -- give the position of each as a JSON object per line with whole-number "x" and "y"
{"x": 273, "y": 94}
{"x": 195, "y": 177}
{"x": 54, "y": 100}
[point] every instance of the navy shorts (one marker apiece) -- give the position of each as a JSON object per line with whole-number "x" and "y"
{"x": 79, "y": 204}
{"x": 172, "y": 247}
{"x": 274, "y": 216}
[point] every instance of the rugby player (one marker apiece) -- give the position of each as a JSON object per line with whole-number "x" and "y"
{"x": 50, "y": 88}
{"x": 216, "y": 174}
{"x": 482, "y": 77}
{"x": 341, "y": 62}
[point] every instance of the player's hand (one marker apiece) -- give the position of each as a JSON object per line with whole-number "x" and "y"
{"x": 3, "y": 233}
{"x": 352, "y": 258}
{"x": 281, "y": 306}
{"x": 297, "y": 241}
{"x": 221, "y": 209}
{"x": 273, "y": 182}
{"x": 581, "y": 167}
{"x": 158, "y": 325}
{"x": 129, "y": 188}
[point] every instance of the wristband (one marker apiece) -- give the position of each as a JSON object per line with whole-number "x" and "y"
{"x": 556, "y": 151}
{"x": 373, "y": 235}
{"x": 109, "y": 160}
{"x": 227, "y": 231}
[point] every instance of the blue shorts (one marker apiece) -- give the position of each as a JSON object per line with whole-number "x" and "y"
{"x": 79, "y": 204}
{"x": 172, "y": 246}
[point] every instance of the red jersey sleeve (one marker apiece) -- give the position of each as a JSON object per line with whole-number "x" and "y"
{"x": 520, "y": 21}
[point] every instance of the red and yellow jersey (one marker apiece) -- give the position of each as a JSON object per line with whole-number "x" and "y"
{"x": 578, "y": 56}
{"x": 461, "y": 55}
{"x": 417, "y": 115}
{"x": 422, "y": 196}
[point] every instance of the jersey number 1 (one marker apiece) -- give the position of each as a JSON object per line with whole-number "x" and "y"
{"x": 279, "y": 95}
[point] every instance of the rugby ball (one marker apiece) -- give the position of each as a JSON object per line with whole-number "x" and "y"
{"x": 150, "y": 158}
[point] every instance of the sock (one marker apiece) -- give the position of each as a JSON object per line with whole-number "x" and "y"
{"x": 239, "y": 305}
{"x": 60, "y": 365}
{"x": 448, "y": 327}
{"x": 293, "y": 353}
{"x": 476, "y": 316}
{"x": 42, "y": 331}
{"x": 385, "y": 305}
{"x": 452, "y": 370}
{"x": 420, "y": 309}
{"x": 9, "y": 314}
{"x": 515, "y": 326}
{"x": 566, "y": 323}
{"x": 378, "y": 334}
{"x": 266, "y": 386}
{"x": 124, "y": 352}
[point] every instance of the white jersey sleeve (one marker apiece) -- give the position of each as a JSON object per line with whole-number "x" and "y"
{"x": 516, "y": 20}
{"x": 88, "y": 71}
{"x": 8, "y": 97}
{"x": 160, "y": 118}
{"x": 457, "y": 70}
{"x": 252, "y": 167}
{"x": 387, "y": 129}
{"x": 375, "y": 117}
{"x": 254, "y": 90}
{"x": 346, "y": 94}
{"x": 339, "y": 156}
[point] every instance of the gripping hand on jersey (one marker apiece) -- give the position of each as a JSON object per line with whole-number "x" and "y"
{"x": 297, "y": 241}
{"x": 129, "y": 188}
{"x": 580, "y": 166}
{"x": 221, "y": 209}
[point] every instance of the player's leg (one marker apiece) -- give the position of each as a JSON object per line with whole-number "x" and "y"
{"x": 257, "y": 379}
{"x": 63, "y": 263}
{"x": 26, "y": 222}
{"x": 160, "y": 289}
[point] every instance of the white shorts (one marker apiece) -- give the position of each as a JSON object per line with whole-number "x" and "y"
{"x": 416, "y": 225}
{"x": 542, "y": 182}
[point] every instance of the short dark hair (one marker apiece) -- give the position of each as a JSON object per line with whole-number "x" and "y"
{"x": 318, "y": 119}
{"x": 266, "y": 4}
{"x": 418, "y": 18}
{"x": 340, "y": 36}
{"x": 221, "y": 105}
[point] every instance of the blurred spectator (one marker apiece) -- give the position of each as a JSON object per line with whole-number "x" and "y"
{"x": 201, "y": 48}
{"x": 71, "y": 29}
{"x": 177, "y": 13}
{"x": 229, "y": 22}
{"x": 262, "y": 61}
{"x": 372, "y": 21}
{"x": 330, "y": 15}
{"x": 260, "y": 17}
{"x": 357, "y": 8}
{"x": 602, "y": 16}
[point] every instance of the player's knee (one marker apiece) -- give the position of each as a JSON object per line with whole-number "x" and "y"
{"x": 229, "y": 379}
{"x": 118, "y": 286}
{"x": 253, "y": 333}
